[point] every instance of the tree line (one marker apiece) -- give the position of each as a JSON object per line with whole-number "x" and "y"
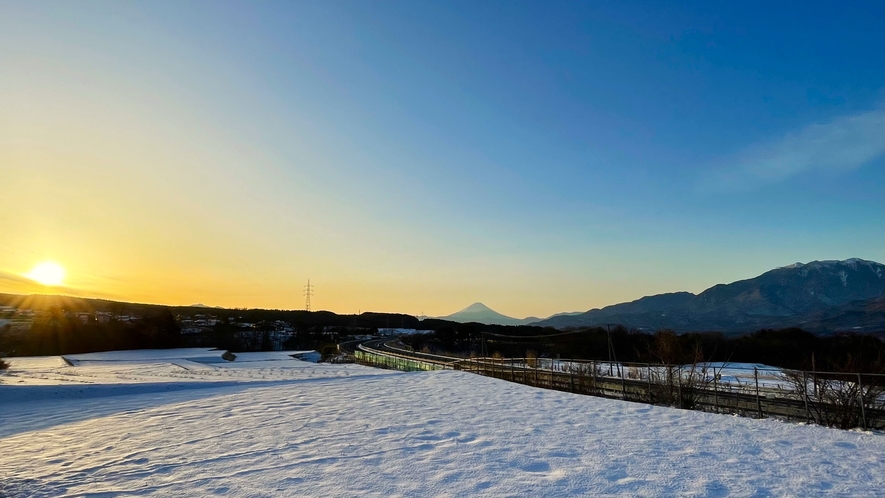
{"x": 57, "y": 332}
{"x": 59, "y": 328}
{"x": 787, "y": 348}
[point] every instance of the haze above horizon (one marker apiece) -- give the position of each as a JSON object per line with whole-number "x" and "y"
{"x": 416, "y": 157}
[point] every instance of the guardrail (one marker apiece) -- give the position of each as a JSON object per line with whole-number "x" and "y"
{"x": 366, "y": 355}
{"x": 837, "y": 399}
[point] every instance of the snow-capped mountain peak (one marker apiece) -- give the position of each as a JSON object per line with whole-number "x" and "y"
{"x": 476, "y": 308}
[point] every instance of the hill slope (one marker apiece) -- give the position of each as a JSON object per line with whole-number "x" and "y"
{"x": 176, "y": 427}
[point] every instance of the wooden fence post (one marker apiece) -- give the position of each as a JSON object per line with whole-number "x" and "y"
{"x": 679, "y": 380}
{"x": 648, "y": 379}
{"x": 863, "y": 413}
{"x": 758, "y": 401}
{"x": 623, "y": 383}
{"x": 715, "y": 391}
{"x": 550, "y": 371}
{"x": 525, "y": 371}
{"x": 805, "y": 396}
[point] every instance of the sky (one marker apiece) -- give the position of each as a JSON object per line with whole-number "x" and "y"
{"x": 417, "y": 157}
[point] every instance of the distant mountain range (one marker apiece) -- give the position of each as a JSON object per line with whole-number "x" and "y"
{"x": 821, "y": 296}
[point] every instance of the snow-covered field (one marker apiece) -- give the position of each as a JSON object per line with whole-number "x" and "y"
{"x": 180, "y": 423}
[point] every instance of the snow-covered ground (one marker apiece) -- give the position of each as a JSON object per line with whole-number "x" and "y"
{"x": 175, "y": 424}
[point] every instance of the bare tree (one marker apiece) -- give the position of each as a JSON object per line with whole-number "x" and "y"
{"x": 838, "y": 399}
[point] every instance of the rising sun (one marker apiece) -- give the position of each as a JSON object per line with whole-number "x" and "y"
{"x": 47, "y": 273}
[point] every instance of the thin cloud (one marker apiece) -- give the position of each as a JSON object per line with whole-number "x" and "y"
{"x": 14, "y": 283}
{"x": 843, "y": 144}
{"x": 6, "y": 276}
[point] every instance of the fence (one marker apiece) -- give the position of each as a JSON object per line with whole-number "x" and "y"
{"x": 836, "y": 399}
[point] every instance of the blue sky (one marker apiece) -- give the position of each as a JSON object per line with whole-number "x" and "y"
{"x": 416, "y": 156}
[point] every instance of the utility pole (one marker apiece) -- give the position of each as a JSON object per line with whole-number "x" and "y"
{"x": 308, "y": 291}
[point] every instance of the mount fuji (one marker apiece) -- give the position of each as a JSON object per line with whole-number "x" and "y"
{"x": 480, "y": 313}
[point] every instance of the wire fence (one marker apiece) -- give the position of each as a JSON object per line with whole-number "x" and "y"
{"x": 835, "y": 399}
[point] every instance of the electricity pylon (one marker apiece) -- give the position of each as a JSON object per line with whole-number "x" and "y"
{"x": 308, "y": 291}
